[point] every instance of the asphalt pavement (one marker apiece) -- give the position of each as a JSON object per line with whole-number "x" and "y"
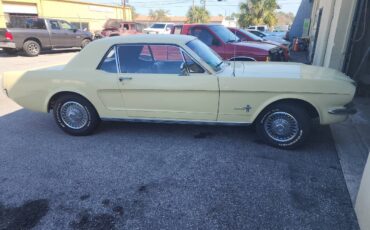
{"x": 155, "y": 176}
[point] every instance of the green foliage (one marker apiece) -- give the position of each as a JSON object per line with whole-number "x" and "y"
{"x": 198, "y": 15}
{"x": 258, "y": 12}
{"x": 159, "y": 15}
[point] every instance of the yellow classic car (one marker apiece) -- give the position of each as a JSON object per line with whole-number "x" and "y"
{"x": 177, "y": 78}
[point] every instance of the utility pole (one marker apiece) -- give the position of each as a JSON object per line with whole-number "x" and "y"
{"x": 124, "y": 10}
{"x": 204, "y": 2}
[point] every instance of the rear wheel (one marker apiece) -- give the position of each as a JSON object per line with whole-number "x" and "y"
{"x": 75, "y": 115}
{"x": 284, "y": 125}
{"x": 32, "y": 48}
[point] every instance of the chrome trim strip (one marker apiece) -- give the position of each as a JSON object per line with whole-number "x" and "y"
{"x": 174, "y": 121}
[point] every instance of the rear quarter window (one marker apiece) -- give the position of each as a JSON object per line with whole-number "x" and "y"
{"x": 109, "y": 62}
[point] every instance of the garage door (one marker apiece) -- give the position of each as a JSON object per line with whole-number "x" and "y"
{"x": 20, "y": 8}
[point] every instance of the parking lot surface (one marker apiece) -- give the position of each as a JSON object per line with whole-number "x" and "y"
{"x": 155, "y": 176}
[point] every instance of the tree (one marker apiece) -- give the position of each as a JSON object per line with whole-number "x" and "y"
{"x": 197, "y": 14}
{"x": 258, "y": 12}
{"x": 159, "y": 15}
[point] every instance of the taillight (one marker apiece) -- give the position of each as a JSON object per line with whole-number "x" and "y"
{"x": 9, "y": 36}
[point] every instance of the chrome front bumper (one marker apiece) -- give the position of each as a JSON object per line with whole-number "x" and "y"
{"x": 348, "y": 109}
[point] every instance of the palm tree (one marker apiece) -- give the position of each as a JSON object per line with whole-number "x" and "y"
{"x": 257, "y": 12}
{"x": 197, "y": 14}
{"x": 158, "y": 15}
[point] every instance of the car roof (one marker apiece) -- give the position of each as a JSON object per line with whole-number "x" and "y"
{"x": 92, "y": 54}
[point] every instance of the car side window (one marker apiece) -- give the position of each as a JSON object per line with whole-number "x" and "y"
{"x": 153, "y": 59}
{"x": 109, "y": 63}
{"x": 204, "y": 35}
{"x": 65, "y": 25}
{"x": 54, "y": 25}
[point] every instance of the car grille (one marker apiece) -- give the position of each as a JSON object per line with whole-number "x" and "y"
{"x": 277, "y": 54}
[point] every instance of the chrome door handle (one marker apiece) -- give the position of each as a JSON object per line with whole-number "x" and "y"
{"x": 124, "y": 78}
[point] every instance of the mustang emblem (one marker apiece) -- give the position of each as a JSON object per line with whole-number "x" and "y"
{"x": 247, "y": 108}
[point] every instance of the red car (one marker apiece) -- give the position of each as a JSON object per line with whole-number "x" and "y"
{"x": 114, "y": 27}
{"x": 228, "y": 46}
{"x": 245, "y": 35}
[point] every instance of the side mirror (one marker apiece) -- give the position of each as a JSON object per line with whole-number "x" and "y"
{"x": 184, "y": 70}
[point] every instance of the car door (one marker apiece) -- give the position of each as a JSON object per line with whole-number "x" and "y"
{"x": 155, "y": 84}
{"x": 108, "y": 85}
{"x": 71, "y": 36}
{"x": 57, "y": 35}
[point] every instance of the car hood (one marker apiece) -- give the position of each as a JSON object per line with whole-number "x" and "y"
{"x": 256, "y": 45}
{"x": 288, "y": 72}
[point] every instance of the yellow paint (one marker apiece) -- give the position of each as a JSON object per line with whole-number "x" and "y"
{"x": 73, "y": 11}
{"x": 212, "y": 96}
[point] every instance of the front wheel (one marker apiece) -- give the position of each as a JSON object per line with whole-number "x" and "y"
{"x": 284, "y": 125}
{"x": 85, "y": 42}
{"x": 75, "y": 115}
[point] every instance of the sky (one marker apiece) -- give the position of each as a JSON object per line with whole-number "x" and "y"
{"x": 180, "y": 7}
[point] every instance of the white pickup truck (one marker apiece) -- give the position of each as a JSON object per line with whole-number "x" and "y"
{"x": 159, "y": 28}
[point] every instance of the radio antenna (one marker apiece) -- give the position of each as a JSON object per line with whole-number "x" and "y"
{"x": 234, "y": 52}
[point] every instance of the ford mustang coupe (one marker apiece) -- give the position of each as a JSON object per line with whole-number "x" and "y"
{"x": 177, "y": 78}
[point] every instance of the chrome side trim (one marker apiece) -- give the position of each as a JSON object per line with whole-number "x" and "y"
{"x": 173, "y": 121}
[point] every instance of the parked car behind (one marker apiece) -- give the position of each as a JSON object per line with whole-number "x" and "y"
{"x": 245, "y": 35}
{"x": 159, "y": 28}
{"x": 270, "y": 37}
{"x": 228, "y": 46}
{"x": 262, "y": 28}
{"x": 114, "y": 27}
{"x": 38, "y": 33}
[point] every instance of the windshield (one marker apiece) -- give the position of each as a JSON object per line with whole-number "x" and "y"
{"x": 258, "y": 33}
{"x": 158, "y": 26}
{"x": 252, "y": 36}
{"x": 206, "y": 53}
{"x": 224, "y": 34}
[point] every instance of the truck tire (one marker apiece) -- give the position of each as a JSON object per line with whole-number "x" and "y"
{"x": 10, "y": 51}
{"x": 85, "y": 42}
{"x": 32, "y": 48}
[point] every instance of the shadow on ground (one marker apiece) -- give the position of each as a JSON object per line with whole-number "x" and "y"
{"x": 153, "y": 176}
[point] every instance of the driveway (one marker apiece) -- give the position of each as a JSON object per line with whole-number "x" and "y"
{"x": 154, "y": 176}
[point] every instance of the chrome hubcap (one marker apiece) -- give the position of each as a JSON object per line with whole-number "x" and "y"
{"x": 281, "y": 126}
{"x": 32, "y": 48}
{"x": 74, "y": 115}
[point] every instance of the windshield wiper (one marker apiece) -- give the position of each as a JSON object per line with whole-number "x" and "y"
{"x": 219, "y": 64}
{"x": 231, "y": 41}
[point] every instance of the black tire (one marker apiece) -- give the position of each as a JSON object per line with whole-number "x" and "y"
{"x": 88, "y": 123}
{"x": 284, "y": 125}
{"x": 84, "y": 43}
{"x": 31, "y": 48}
{"x": 10, "y": 51}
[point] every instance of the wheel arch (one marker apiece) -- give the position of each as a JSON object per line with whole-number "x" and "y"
{"x": 52, "y": 99}
{"x": 313, "y": 111}
{"x": 242, "y": 58}
{"x": 33, "y": 39}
